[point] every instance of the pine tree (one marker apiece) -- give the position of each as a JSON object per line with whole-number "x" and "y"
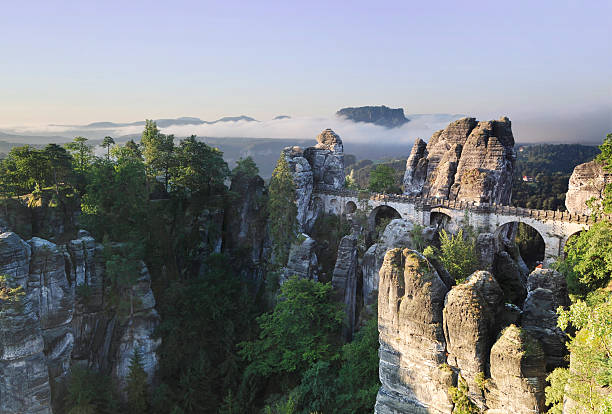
{"x": 137, "y": 385}
{"x": 283, "y": 210}
{"x": 107, "y": 143}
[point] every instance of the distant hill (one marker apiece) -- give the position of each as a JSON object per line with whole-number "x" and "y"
{"x": 377, "y": 115}
{"x": 164, "y": 122}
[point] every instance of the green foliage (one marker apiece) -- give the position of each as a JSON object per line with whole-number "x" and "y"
{"x": 107, "y": 143}
{"x": 89, "y": 393}
{"x": 416, "y": 235}
{"x": 606, "y": 158}
{"x": 458, "y": 254}
{"x": 203, "y": 320}
{"x": 459, "y": 396}
{"x": 282, "y": 210}
{"x": 588, "y": 264}
{"x": 246, "y": 167}
{"x": 123, "y": 267}
{"x": 10, "y": 293}
{"x": 328, "y": 230}
{"x": 299, "y": 332}
{"x": 82, "y": 153}
{"x": 382, "y": 179}
{"x": 137, "y": 393}
{"x": 158, "y": 151}
{"x": 589, "y": 377}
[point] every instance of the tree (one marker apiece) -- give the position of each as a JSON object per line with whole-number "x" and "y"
{"x": 158, "y": 151}
{"x": 458, "y": 254}
{"x": 246, "y": 167}
{"x": 282, "y": 210}
{"x": 382, "y": 179}
{"x": 107, "y": 143}
{"x": 137, "y": 395}
{"x": 199, "y": 169}
{"x": 9, "y": 293}
{"x": 60, "y": 164}
{"x": 303, "y": 329}
{"x": 81, "y": 152}
{"x": 588, "y": 379}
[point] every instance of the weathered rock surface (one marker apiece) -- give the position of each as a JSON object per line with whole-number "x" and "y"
{"x": 377, "y": 115}
{"x": 412, "y": 344}
{"x": 344, "y": 280}
{"x": 396, "y": 234}
{"x": 518, "y": 374}
{"x": 327, "y": 161}
{"x": 470, "y": 325}
{"x": 587, "y": 181}
{"x": 62, "y": 320}
{"x": 468, "y": 160}
{"x": 540, "y": 320}
{"x": 303, "y": 261}
{"x": 552, "y": 280}
{"x": 303, "y": 178}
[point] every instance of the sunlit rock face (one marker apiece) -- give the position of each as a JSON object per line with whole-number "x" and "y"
{"x": 586, "y": 182}
{"x": 56, "y": 324}
{"x": 468, "y": 160}
{"x": 412, "y": 344}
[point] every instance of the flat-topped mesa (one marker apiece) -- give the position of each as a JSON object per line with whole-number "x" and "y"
{"x": 467, "y": 161}
{"x": 586, "y": 182}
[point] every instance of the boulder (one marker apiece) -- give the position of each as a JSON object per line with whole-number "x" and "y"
{"x": 540, "y": 321}
{"x": 552, "y": 280}
{"x": 587, "y": 181}
{"x": 327, "y": 161}
{"x": 471, "y": 314}
{"x": 518, "y": 374}
{"x": 302, "y": 260}
{"x": 413, "y": 373}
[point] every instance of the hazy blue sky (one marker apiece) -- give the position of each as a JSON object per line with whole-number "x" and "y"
{"x": 83, "y": 61}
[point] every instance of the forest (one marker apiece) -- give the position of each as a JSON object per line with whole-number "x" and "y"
{"x": 235, "y": 340}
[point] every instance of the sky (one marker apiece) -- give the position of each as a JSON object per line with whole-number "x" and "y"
{"x": 547, "y": 65}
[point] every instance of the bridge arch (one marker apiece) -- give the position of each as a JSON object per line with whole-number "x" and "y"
{"x": 530, "y": 241}
{"x": 350, "y": 207}
{"x": 380, "y": 213}
{"x": 334, "y": 206}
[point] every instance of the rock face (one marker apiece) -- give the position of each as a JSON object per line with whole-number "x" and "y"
{"x": 518, "y": 374}
{"x": 470, "y": 315}
{"x": 62, "y": 320}
{"x": 321, "y": 166}
{"x": 396, "y": 234}
{"x": 412, "y": 344}
{"x": 587, "y": 181}
{"x": 302, "y": 261}
{"x": 468, "y": 160}
{"x": 377, "y": 115}
{"x": 327, "y": 161}
{"x": 344, "y": 280}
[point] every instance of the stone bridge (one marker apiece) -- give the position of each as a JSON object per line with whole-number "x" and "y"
{"x": 555, "y": 227}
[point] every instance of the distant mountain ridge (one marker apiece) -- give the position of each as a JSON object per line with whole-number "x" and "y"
{"x": 164, "y": 122}
{"x": 377, "y": 115}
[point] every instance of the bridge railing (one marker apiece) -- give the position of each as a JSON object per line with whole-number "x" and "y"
{"x": 433, "y": 202}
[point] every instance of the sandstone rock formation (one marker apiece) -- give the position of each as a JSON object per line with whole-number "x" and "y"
{"x": 412, "y": 345}
{"x": 587, "y": 181}
{"x": 468, "y": 160}
{"x": 303, "y": 261}
{"x": 518, "y": 374}
{"x": 327, "y": 161}
{"x": 377, "y": 115}
{"x": 61, "y": 321}
{"x": 344, "y": 280}
{"x": 303, "y": 178}
{"x": 396, "y": 234}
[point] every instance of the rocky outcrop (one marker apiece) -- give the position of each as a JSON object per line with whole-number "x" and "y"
{"x": 586, "y": 182}
{"x": 344, "y": 281}
{"x": 327, "y": 161}
{"x": 412, "y": 345}
{"x": 468, "y": 160}
{"x": 377, "y": 115}
{"x": 302, "y": 261}
{"x": 245, "y": 224}
{"x": 470, "y": 325}
{"x": 398, "y": 233}
{"x": 552, "y": 280}
{"x": 301, "y": 172}
{"x": 518, "y": 374}
{"x": 65, "y": 318}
